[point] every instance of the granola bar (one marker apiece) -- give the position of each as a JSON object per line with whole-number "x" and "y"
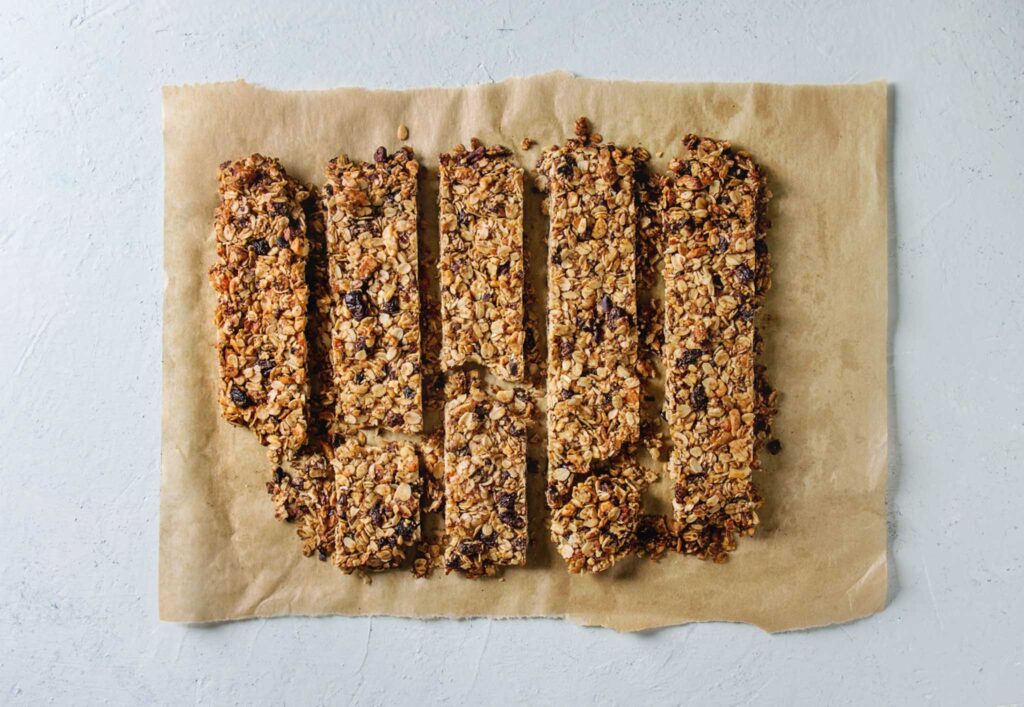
{"x": 598, "y": 525}
{"x": 262, "y": 300}
{"x": 481, "y": 225}
{"x": 713, "y": 211}
{"x": 485, "y": 478}
{"x": 372, "y": 253}
{"x": 378, "y": 492}
{"x": 593, "y": 392}
{"x": 306, "y": 497}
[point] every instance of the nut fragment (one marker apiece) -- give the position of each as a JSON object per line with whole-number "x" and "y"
{"x": 262, "y": 300}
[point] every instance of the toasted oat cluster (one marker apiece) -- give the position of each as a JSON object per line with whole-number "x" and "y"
{"x": 370, "y": 211}
{"x": 262, "y": 300}
{"x": 485, "y": 478}
{"x": 714, "y": 218}
{"x": 481, "y": 224}
{"x": 597, "y": 526}
{"x": 305, "y": 496}
{"x": 378, "y": 494}
{"x": 593, "y": 392}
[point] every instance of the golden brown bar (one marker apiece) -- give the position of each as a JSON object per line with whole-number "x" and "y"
{"x": 378, "y": 494}
{"x": 485, "y": 478}
{"x": 481, "y": 264}
{"x": 714, "y": 218}
{"x": 262, "y": 300}
{"x": 372, "y": 252}
{"x": 593, "y": 393}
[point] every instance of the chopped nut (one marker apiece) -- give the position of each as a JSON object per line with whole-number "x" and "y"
{"x": 527, "y": 143}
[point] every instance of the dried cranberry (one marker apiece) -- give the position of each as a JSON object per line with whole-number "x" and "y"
{"x": 356, "y": 303}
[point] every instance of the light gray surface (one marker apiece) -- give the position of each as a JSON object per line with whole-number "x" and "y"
{"x": 80, "y": 303}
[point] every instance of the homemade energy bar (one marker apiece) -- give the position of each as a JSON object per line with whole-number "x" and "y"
{"x": 593, "y": 392}
{"x": 262, "y": 300}
{"x": 714, "y": 218}
{"x": 378, "y": 494}
{"x": 598, "y": 525}
{"x": 485, "y": 478}
{"x": 481, "y": 264}
{"x": 371, "y": 247}
{"x": 305, "y": 496}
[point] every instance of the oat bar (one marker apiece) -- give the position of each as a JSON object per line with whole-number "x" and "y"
{"x": 598, "y": 525}
{"x": 262, "y": 300}
{"x": 485, "y": 478}
{"x": 372, "y": 254}
{"x": 481, "y": 264}
{"x": 713, "y": 212}
{"x": 593, "y": 393}
{"x": 378, "y": 493}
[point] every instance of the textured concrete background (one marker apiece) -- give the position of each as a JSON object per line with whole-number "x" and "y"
{"x": 80, "y": 298}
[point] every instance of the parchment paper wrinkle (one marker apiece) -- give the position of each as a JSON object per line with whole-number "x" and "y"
{"x": 819, "y": 556}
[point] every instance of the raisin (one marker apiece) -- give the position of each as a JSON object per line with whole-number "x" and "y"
{"x": 375, "y": 515}
{"x": 564, "y": 347}
{"x": 513, "y": 368}
{"x": 408, "y": 392}
{"x": 566, "y": 168}
{"x": 266, "y": 366}
{"x": 280, "y": 475}
{"x": 322, "y": 554}
{"x": 744, "y": 274}
{"x": 476, "y": 155}
{"x": 239, "y": 397}
{"x": 260, "y": 246}
{"x": 405, "y": 528}
{"x": 461, "y": 218}
{"x": 774, "y": 446}
{"x": 606, "y": 304}
{"x": 504, "y": 268}
{"x": 356, "y": 303}
{"x": 282, "y": 242}
{"x": 699, "y": 398}
{"x": 394, "y": 420}
{"x": 690, "y": 356}
{"x": 392, "y": 305}
{"x": 380, "y": 154}
{"x": 280, "y": 208}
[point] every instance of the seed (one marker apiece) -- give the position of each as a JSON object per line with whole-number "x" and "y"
{"x": 403, "y": 132}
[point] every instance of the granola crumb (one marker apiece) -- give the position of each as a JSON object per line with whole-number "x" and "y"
{"x": 527, "y": 143}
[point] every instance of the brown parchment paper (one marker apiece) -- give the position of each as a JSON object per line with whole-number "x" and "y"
{"x": 820, "y": 554}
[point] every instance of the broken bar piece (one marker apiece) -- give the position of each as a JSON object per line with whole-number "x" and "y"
{"x": 485, "y": 478}
{"x": 262, "y": 301}
{"x": 598, "y": 525}
{"x": 373, "y": 268}
{"x": 714, "y": 219}
{"x": 481, "y": 265}
{"x": 378, "y": 494}
{"x": 593, "y": 393}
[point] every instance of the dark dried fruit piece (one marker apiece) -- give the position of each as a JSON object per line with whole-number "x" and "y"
{"x": 239, "y": 397}
{"x": 356, "y": 303}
